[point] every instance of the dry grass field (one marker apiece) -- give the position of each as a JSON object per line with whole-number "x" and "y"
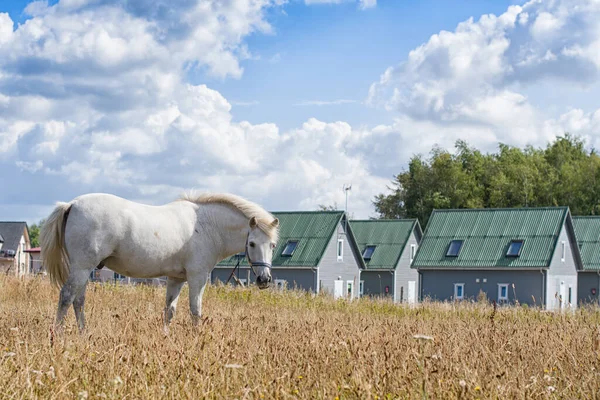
{"x": 266, "y": 344}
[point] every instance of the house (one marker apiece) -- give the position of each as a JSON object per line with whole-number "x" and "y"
{"x": 35, "y": 261}
{"x": 388, "y": 248}
{"x": 528, "y": 255}
{"x": 107, "y": 275}
{"x": 14, "y": 241}
{"x": 316, "y": 252}
{"x": 587, "y": 231}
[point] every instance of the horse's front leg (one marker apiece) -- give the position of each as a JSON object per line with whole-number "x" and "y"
{"x": 197, "y": 283}
{"x": 173, "y": 289}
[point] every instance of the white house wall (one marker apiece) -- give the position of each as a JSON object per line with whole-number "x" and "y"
{"x": 561, "y": 274}
{"x": 330, "y": 268}
{"x": 404, "y": 273}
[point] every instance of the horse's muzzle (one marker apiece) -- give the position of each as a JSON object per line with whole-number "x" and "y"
{"x": 262, "y": 282}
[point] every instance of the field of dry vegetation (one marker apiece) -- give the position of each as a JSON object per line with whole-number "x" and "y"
{"x": 267, "y": 344}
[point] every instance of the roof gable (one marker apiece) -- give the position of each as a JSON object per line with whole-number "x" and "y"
{"x": 587, "y": 233}
{"x": 313, "y": 231}
{"x": 487, "y": 234}
{"x": 12, "y": 232}
{"x": 388, "y": 236}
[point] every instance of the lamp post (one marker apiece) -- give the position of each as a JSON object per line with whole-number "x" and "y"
{"x": 346, "y": 189}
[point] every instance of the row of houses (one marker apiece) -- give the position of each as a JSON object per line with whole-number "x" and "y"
{"x": 324, "y": 251}
{"x": 536, "y": 256}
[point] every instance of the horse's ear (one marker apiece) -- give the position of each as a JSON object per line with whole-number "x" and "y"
{"x": 275, "y": 223}
{"x": 253, "y": 222}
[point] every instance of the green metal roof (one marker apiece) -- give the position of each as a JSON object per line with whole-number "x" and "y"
{"x": 487, "y": 233}
{"x": 389, "y": 236}
{"x": 313, "y": 231}
{"x": 587, "y": 232}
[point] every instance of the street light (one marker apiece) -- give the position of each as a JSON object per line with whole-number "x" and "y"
{"x": 346, "y": 189}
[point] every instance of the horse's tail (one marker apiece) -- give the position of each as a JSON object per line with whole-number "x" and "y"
{"x": 52, "y": 242}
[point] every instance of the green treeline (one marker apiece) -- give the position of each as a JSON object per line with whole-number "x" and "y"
{"x": 562, "y": 174}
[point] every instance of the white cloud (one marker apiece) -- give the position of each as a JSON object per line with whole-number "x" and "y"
{"x": 6, "y": 28}
{"x": 578, "y": 122}
{"x": 546, "y": 24}
{"x": 475, "y": 77}
{"x": 93, "y": 98}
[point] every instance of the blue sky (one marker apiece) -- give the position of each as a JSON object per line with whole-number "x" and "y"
{"x": 282, "y": 102}
{"x": 331, "y": 52}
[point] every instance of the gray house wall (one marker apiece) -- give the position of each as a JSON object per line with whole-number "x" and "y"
{"x": 296, "y": 278}
{"x": 439, "y": 284}
{"x": 586, "y": 281}
{"x": 404, "y": 273}
{"x": 562, "y": 275}
{"x": 330, "y": 268}
{"x": 376, "y": 281}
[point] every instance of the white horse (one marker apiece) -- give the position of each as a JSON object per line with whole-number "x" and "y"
{"x": 182, "y": 240}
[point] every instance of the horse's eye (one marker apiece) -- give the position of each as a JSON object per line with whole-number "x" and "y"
{"x": 252, "y": 244}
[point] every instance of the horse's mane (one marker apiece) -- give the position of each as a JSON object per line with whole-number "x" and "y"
{"x": 246, "y": 207}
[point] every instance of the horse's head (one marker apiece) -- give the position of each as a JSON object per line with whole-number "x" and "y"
{"x": 259, "y": 250}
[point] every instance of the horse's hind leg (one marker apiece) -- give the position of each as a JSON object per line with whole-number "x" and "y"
{"x": 78, "y": 305}
{"x": 72, "y": 288}
{"x": 173, "y": 289}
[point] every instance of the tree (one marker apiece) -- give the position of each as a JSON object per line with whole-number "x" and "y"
{"x": 322, "y": 207}
{"x": 563, "y": 173}
{"x": 34, "y": 234}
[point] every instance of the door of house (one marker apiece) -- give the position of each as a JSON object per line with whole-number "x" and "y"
{"x": 412, "y": 292}
{"x": 338, "y": 289}
{"x": 563, "y": 294}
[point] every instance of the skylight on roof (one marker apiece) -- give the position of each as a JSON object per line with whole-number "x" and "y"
{"x": 514, "y": 248}
{"x": 368, "y": 253}
{"x": 289, "y": 248}
{"x": 454, "y": 248}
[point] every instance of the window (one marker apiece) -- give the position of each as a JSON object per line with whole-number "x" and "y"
{"x": 570, "y": 293}
{"x": 459, "y": 291}
{"x": 503, "y": 292}
{"x": 361, "y": 288}
{"x": 349, "y": 289}
{"x": 413, "y": 250}
{"x": 368, "y": 253}
{"x": 280, "y": 284}
{"x": 289, "y": 248}
{"x": 514, "y": 248}
{"x": 454, "y": 248}
{"x": 340, "y": 250}
{"x": 563, "y": 251}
